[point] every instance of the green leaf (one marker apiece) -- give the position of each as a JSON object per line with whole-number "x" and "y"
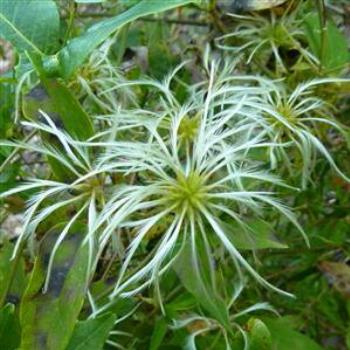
{"x": 10, "y": 332}
{"x": 336, "y": 53}
{"x": 12, "y": 275}
{"x": 30, "y": 25}
{"x": 77, "y": 50}
{"x": 347, "y": 338}
{"x": 159, "y": 331}
{"x": 54, "y": 98}
{"x": 75, "y": 120}
{"x": 5, "y": 269}
{"x": 260, "y": 235}
{"x": 6, "y": 107}
{"x": 259, "y": 335}
{"x": 92, "y": 334}
{"x": 160, "y": 58}
{"x": 197, "y": 282}
{"x": 48, "y": 318}
{"x": 284, "y": 337}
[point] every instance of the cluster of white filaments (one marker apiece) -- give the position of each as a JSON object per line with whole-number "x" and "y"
{"x": 192, "y": 165}
{"x": 259, "y": 35}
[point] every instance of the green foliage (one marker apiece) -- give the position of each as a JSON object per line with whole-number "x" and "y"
{"x": 30, "y": 25}
{"x": 259, "y": 335}
{"x": 159, "y": 332}
{"x": 6, "y": 100}
{"x": 197, "y": 280}
{"x": 10, "y": 332}
{"x": 285, "y": 337}
{"x": 13, "y": 279}
{"x": 91, "y": 334}
{"x": 331, "y": 41}
{"x": 160, "y": 160}
{"x": 76, "y": 52}
{"x": 260, "y": 236}
{"x": 55, "y": 294}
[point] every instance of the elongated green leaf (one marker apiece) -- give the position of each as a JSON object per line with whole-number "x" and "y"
{"x": 336, "y": 53}
{"x": 64, "y": 110}
{"x": 30, "y": 25}
{"x": 158, "y": 334}
{"x": 74, "y": 118}
{"x": 197, "y": 283}
{"x": 260, "y": 235}
{"x": 347, "y": 338}
{"x": 9, "y": 328}
{"x": 54, "y": 98}
{"x": 12, "y": 276}
{"x": 75, "y": 53}
{"x": 5, "y": 269}
{"x": 6, "y": 104}
{"x": 48, "y": 318}
{"x": 92, "y": 334}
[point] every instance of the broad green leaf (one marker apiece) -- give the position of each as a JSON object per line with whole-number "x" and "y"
{"x": 30, "y": 25}
{"x": 336, "y": 53}
{"x": 259, "y": 335}
{"x": 197, "y": 282}
{"x": 54, "y": 97}
{"x": 92, "y": 334}
{"x": 48, "y": 317}
{"x": 78, "y": 49}
{"x": 10, "y": 332}
{"x": 284, "y": 337}
{"x": 260, "y": 235}
{"x": 159, "y": 331}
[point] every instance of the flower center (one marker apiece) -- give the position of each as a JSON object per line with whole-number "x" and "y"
{"x": 189, "y": 191}
{"x": 188, "y": 128}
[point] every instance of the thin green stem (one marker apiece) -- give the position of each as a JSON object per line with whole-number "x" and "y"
{"x": 322, "y": 11}
{"x": 72, "y": 12}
